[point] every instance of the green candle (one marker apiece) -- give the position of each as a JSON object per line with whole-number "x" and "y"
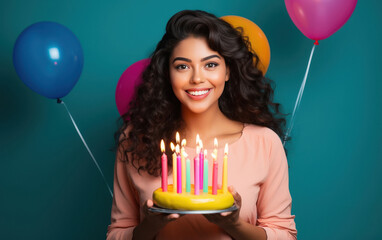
{"x": 188, "y": 176}
{"x": 205, "y": 173}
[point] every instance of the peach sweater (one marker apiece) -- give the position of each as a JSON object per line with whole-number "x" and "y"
{"x": 258, "y": 170}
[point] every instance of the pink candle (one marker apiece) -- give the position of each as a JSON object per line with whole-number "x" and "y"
{"x": 164, "y": 167}
{"x": 196, "y": 175}
{"x": 174, "y": 171}
{"x": 201, "y": 166}
{"x": 179, "y": 170}
{"x": 214, "y": 175}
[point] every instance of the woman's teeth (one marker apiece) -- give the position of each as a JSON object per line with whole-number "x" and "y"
{"x": 198, "y": 93}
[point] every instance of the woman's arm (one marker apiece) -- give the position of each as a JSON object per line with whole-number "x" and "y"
{"x": 273, "y": 205}
{"x": 125, "y": 207}
{"x": 274, "y": 202}
{"x": 152, "y": 223}
{"x": 125, "y": 212}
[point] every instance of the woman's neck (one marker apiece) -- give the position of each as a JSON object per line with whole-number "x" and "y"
{"x": 209, "y": 124}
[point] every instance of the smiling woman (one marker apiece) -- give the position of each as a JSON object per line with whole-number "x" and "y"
{"x": 202, "y": 80}
{"x": 198, "y": 75}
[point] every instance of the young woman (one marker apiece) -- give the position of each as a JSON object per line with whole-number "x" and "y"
{"x": 203, "y": 80}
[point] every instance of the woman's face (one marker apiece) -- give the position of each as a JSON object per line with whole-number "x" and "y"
{"x": 198, "y": 75}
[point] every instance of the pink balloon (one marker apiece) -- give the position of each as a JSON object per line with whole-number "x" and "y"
{"x": 318, "y": 19}
{"x": 129, "y": 79}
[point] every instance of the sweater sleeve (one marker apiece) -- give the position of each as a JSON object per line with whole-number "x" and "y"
{"x": 275, "y": 202}
{"x": 125, "y": 208}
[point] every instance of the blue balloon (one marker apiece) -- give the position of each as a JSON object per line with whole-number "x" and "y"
{"x": 48, "y": 58}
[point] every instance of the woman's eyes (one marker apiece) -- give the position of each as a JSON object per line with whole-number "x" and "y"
{"x": 181, "y": 67}
{"x": 211, "y": 65}
{"x": 184, "y": 66}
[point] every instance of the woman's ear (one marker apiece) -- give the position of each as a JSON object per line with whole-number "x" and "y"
{"x": 227, "y": 74}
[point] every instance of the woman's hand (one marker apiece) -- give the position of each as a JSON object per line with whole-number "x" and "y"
{"x": 227, "y": 219}
{"x": 157, "y": 219}
{"x": 152, "y": 223}
{"x": 235, "y": 227}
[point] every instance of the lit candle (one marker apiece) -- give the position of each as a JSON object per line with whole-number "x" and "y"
{"x": 205, "y": 173}
{"x": 164, "y": 167}
{"x": 183, "y": 155}
{"x": 214, "y": 175}
{"x": 225, "y": 159}
{"x": 179, "y": 168}
{"x": 173, "y": 167}
{"x": 177, "y": 138}
{"x": 196, "y": 172}
{"x": 188, "y": 176}
{"x": 216, "y": 147}
{"x": 201, "y": 158}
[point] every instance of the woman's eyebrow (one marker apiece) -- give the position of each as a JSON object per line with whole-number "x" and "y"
{"x": 181, "y": 59}
{"x": 209, "y": 57}
{"x": 189, "y": 60}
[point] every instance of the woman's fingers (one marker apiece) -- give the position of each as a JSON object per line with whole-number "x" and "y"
{"x": 149, "y": 203}
{"x": 145, "y": 207}
{"x": 173, "y": 216}
{"x": 162, "y": 217}
{"x": 236, "y": 196}
{"x": 224, "y": 214}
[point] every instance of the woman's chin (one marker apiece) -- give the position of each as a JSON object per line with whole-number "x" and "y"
{"x": 199, "y": 108}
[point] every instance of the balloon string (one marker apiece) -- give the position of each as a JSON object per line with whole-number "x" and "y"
{"x": 299, "y": 96}
{"x": 83, "y": 140}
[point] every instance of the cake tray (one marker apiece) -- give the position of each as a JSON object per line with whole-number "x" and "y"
{"x": 169, "y": 211}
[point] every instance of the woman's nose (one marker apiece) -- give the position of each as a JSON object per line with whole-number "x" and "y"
{"x": 197, "y": 76}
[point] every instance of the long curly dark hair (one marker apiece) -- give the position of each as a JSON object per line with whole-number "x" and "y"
{"x": 155, "y": 112}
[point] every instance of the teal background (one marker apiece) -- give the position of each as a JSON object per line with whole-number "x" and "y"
{"x": 51, "y": 189}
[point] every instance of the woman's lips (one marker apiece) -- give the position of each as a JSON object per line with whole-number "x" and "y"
{"x": 198, "y": 94}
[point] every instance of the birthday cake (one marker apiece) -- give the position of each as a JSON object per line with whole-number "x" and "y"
{"x": 190, "y": 201}
{"x": 182, "y": 195}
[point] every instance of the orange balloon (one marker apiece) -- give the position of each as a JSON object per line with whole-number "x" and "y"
{"x": 257, "y": 38}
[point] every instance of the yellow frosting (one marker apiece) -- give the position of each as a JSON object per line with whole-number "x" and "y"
{"x": 189, "y": 201}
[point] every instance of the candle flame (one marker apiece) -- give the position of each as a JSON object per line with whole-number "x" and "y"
{"x": 226, "y": 149}
{"x": 197, "y": 149}
{"x": 177, "y": 149}
{"x": 162, "y": 148}
{"x": 172, "y": 146}
{"x": 201, "y": 144}
{"x": 215, "y": 143}
{"x": 185, "y": 154}
{"x": 184, "y": 142}
{"x": 205, "y": 152}
{"x": 213, "y": 156}
{"x": 197, "y": 138}
{"x": 177, "y": 137}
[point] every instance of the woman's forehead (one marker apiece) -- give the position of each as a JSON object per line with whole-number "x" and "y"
{"x": 194, "y": 48}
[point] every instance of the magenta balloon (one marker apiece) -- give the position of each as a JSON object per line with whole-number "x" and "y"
{"x": 318, "y": 19}
{"x": 129, "y": 79}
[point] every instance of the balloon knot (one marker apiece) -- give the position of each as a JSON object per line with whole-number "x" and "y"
{"x": 316, "y": 42}
{"x": 59, "y": 100}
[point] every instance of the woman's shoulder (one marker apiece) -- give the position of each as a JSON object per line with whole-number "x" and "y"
{"x": 262, "y": 138}
{"x": 251, "y": 130}
{"x": 123, "y": 142}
